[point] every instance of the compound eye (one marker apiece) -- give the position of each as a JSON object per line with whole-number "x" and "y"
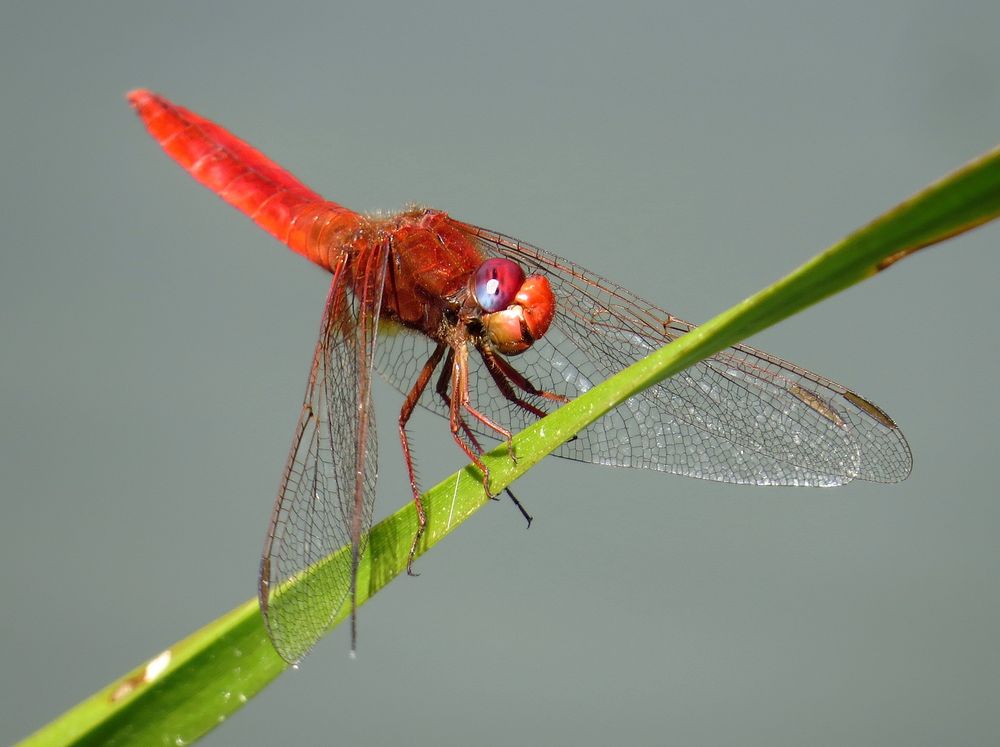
{"x": 497, "y": 282}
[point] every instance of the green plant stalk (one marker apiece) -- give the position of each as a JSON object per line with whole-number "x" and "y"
{"x": 200, "y": 681}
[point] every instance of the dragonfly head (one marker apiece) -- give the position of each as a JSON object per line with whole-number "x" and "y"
{"x": 518, "y": 309}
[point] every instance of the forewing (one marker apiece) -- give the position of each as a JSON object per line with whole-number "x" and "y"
{"x": 742, "y": 416}
{"x": 328, "y": 489}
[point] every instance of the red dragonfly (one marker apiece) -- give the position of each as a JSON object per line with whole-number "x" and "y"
{"x": 515, "y": 331}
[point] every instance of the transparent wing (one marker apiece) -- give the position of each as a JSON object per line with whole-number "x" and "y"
{"x": 742, "y": 416}
{"x": 327, "y": 493}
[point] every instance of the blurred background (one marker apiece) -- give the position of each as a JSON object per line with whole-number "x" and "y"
{"x": 154, "y": 346}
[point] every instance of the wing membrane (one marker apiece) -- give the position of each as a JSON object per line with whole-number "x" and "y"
{"x": 742, "y": 416}
{"x": 327, "y": 493}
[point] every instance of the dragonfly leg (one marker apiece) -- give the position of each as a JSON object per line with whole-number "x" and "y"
{"x": 458, "y": 401}
{"x": 409, "y": 404}
{"x": 444, "y": 381}
{"x": 461, "y": 391}
{"x": 442, "y": 390}
{"x": 503, "y": 384}
{"x": 491, "y": 359}
{"x": 502, "y": 376}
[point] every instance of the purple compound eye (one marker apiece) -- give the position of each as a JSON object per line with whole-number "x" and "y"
{"x": 497, "y": 282}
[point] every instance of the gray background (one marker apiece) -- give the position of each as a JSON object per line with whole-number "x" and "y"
{"x": 154, "y": 346}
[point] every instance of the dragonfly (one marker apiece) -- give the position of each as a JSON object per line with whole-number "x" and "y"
{"x": 506, "y": 332}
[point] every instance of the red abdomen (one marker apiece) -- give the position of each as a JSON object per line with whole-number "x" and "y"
{"x": 248, "y": 180}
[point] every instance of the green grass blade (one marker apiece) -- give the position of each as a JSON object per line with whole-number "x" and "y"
{"x": 202, "y": 680}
